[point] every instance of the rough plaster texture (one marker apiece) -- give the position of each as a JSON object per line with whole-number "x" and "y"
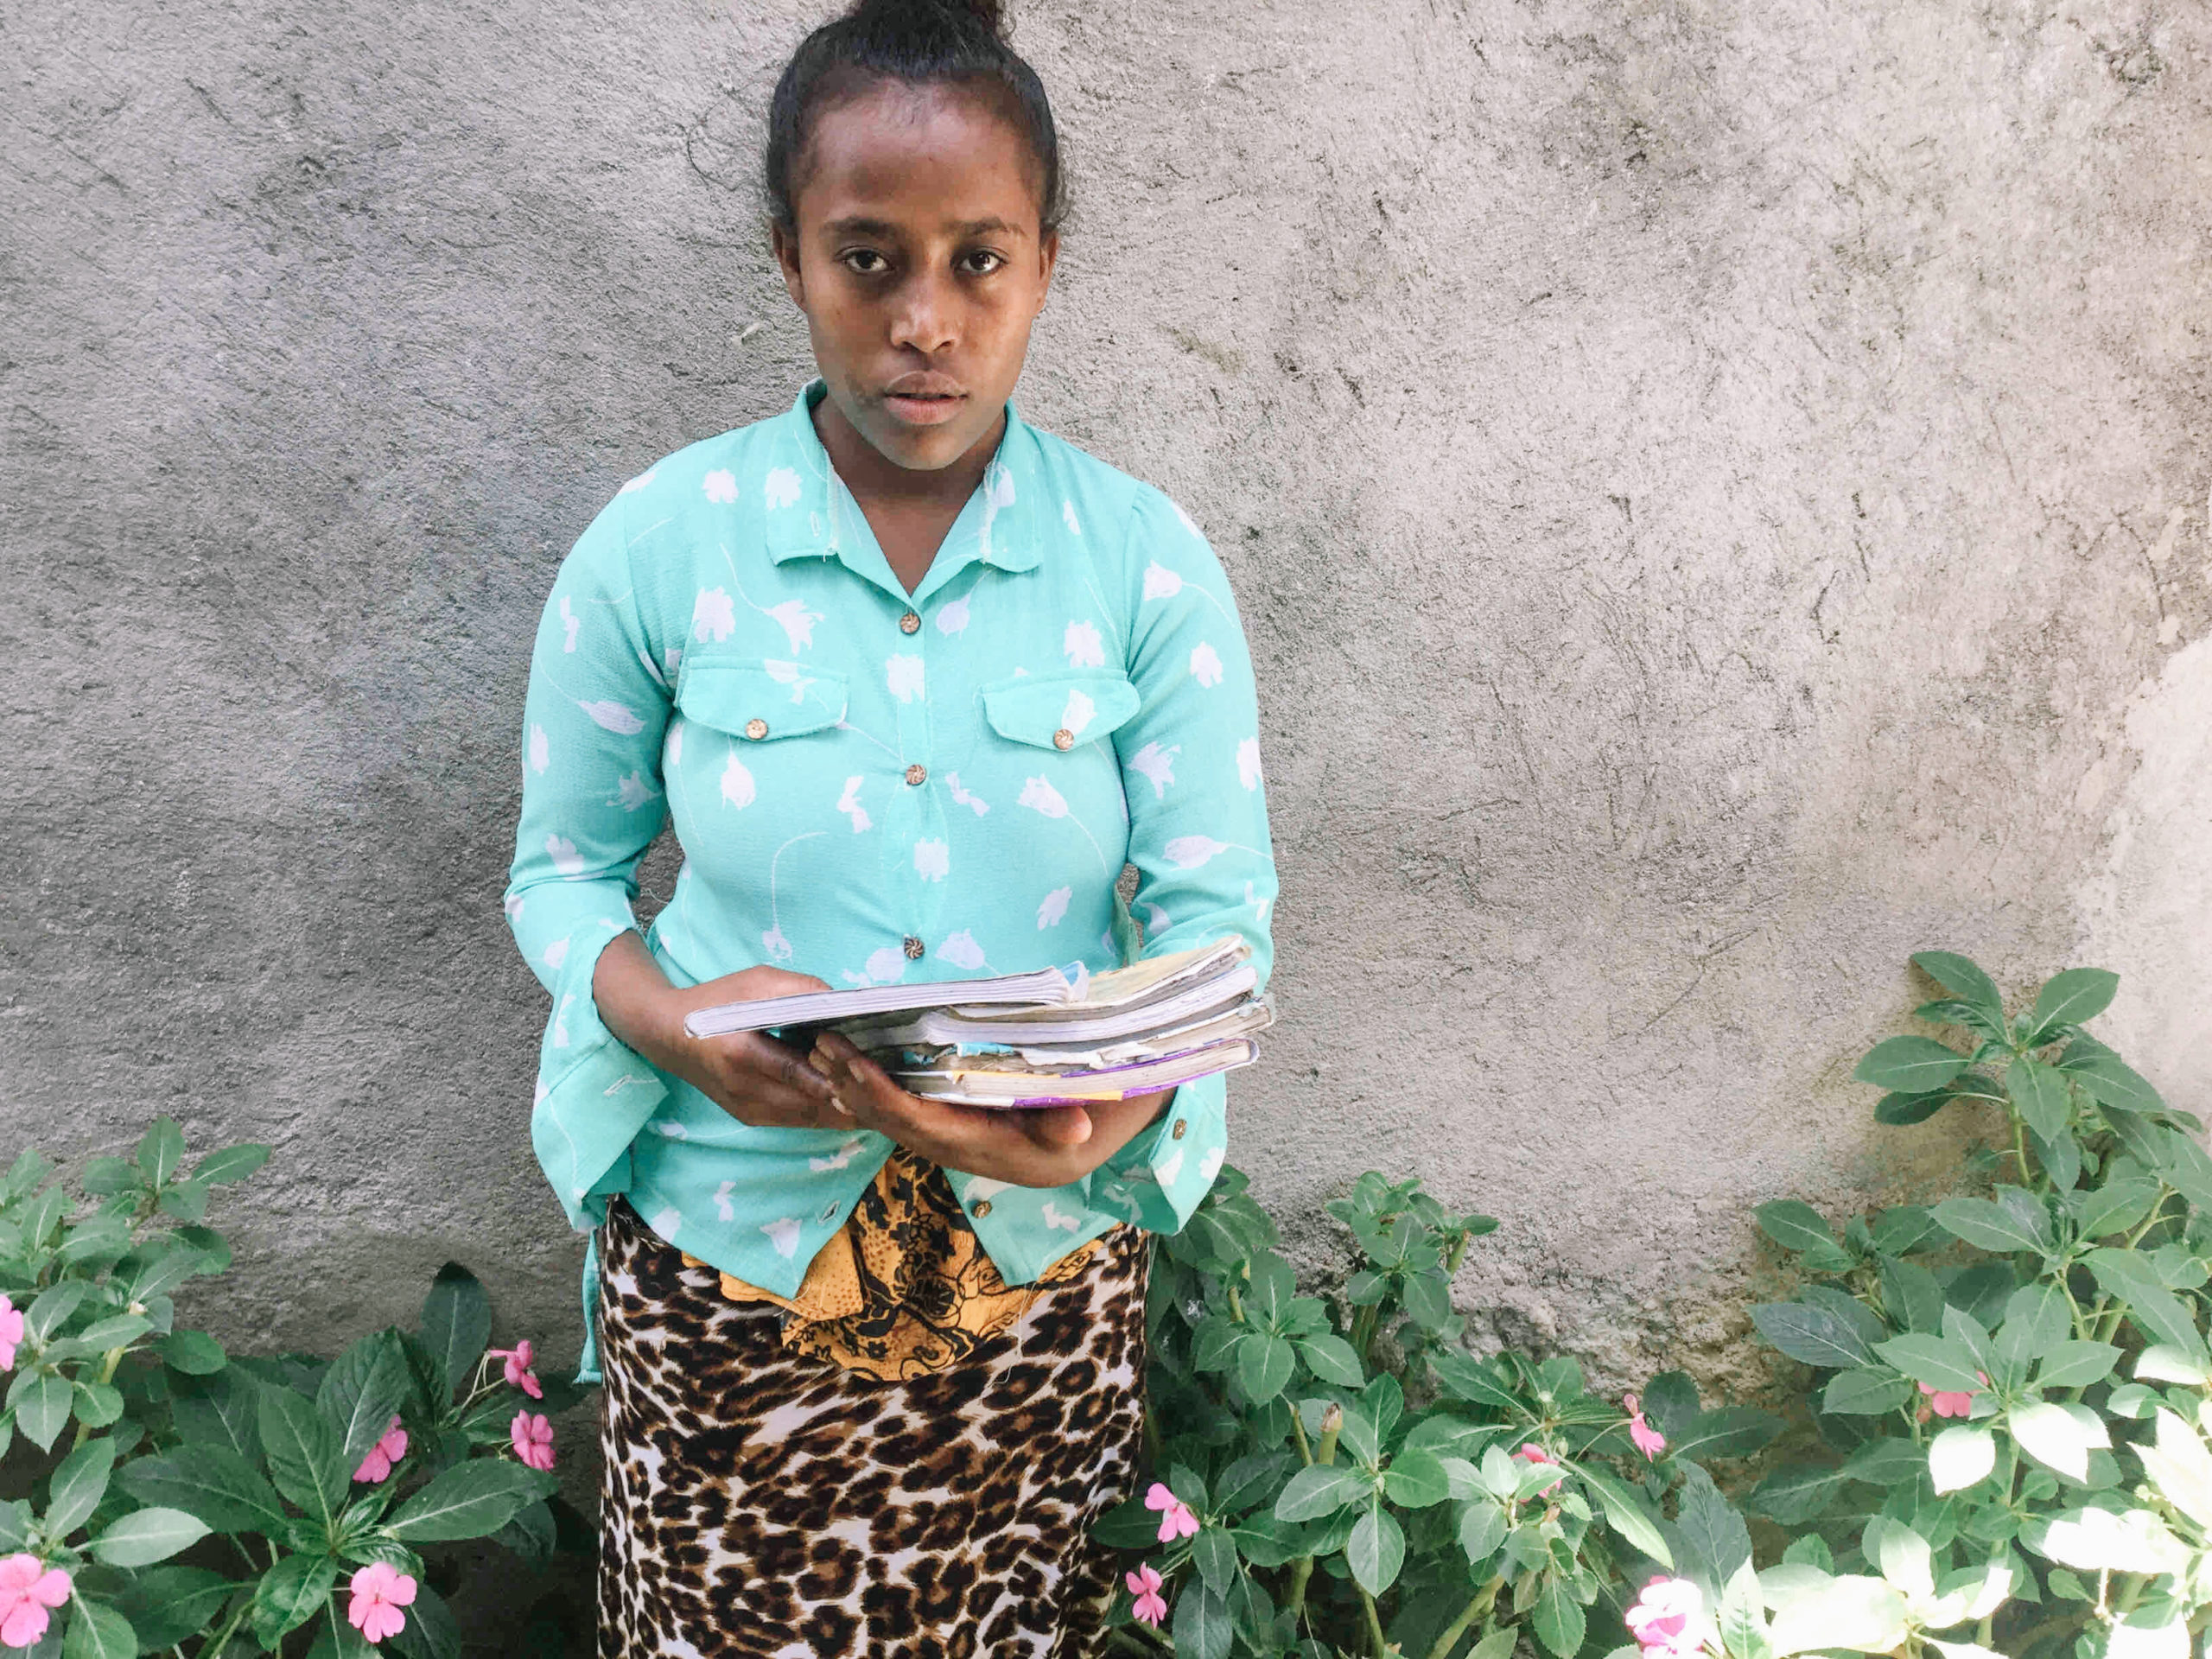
{"x": 1718, "y": 491}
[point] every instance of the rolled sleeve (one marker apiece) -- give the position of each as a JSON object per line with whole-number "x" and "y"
{"x": 592, "y": 802}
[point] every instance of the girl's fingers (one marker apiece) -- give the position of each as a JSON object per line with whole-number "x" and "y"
{"x": 1057, "y": 1128}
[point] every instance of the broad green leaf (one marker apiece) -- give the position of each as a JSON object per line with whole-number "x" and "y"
{"x": 79, "y": 1483}
{"x": 1914, "y": 1299}
{"x": 1624, "y": 1514}
{"x": 52, "y": 1307}
{"x": 1214, "y": 1554}
{"x": 475, "y": 1498}
{"x": 2073, "y": 997}
{"x": 456, "y": 1321}
{"x": 193, "y": 1352}
{"x": 2077, "y": 1365}
{"x": 431, "y": 1631}
{"x": 1902, "y": 1228}
{"x": 1865, "y": 1614}
{"x": 41, "y": 1402}
{"x": 2124, "y": 1276}
{"x": 160, "y": 1151}
{"x": 290, "y": 1593}
{"x": 1264, "y": 1365}
{"x": 1997, "y": 1227}
{"x": 2098, "y": 1541}
{"x": 1415, "y": 1480}
{"x": 1960, "y": 1457}
{"x": 145, "y": 1536}
{"x": 1793, "y": 1225}
{"x": 1741, "y": 1617}
{"x": 1909, "y": 1065}
{"x": 2183, "y": 1469}
{"x": 96, "y": 1405}
{"x": 1203, "y": 1628}
{"x": 2039, "y": 1094}
{"x": 1375, "y": 1550}
{"x": 1482, "y": 1530}
{"x": 362, "y": 1391}
{"x": 1902, "y": 1555}
{"x": 1558, "y": 1619}
{"x": 2049, "y": 1434}
{"x": 2116, "y": 1207}
{"x": 1332, "y": 1359}
{"x": 1901, "y": 1108}
{"x": 2161, "y": 1364}
{"x": 1474, "y": 1380}
{"x": 1960, "y": 976}
{"x": 2118, "y": 1086}
{"x": 1713, "y": 1535}
{"x": 1812, "y": 1334}
{"x": 1798, "y": 1493}
{"x": 223, "y": 1409}
{"x": 167, "y": 1605}
{"x": 306, "y": 1461}
{"x": 2160, "y": 1632}
{"x": 209, "y": 1480}
{"x": 1865, "y": 1391}
{"x": 1498, "y": 1644}
{"x": 98, "y": 1632}
{"x": 1887, "y": 1460}
{"x": 230, "y": 1164}
{"x": 1937, "y": 1360}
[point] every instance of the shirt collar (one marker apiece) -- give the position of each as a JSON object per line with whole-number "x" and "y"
{"x": 810, "y": 511}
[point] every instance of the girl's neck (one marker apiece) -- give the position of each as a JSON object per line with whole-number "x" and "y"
{"x": 909, "y": 510}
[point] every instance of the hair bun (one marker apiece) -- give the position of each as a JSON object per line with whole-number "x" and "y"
{"x": 990, "y": 14}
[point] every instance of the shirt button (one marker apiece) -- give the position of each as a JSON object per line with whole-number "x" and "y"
{"x": 913, "y": 948}
{"x": 756, "y": 728}
{"x": 916, "y": 773}
{"x": 1063, "y": 738}
{"x": 1181, "y": 1124}
{"x": 910, "y": 623}
{"x": 981, "y": 1208}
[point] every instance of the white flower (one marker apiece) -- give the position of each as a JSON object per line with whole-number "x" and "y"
{"x": 1156, "y": 766}
{"x": 933, "y": 859}
{"x": 1078, "y": 714}
{"x": 837, "y": 1160}
{"x": 903, "y": 674}
{"x": 571, "y": 621}
{"x": 790, "y": 674}
{"x": 776, "y": 944}
{"x": 721, "y": 487}
{"x": 1173, "y": 1168}
{"x": 1039, "y": 796}
{"x": 849, "y": 803}
{"x": 1160, "y": 582}
{"x": 1054, "y": 1218}
{"x": 960, "y": 951}
{"x": 667, "y": 1222}
{"x": 737, "y": 783}
{"x": 1156, "y": 920}
{"x": 613, "y": 716}
{"x": 639, "y": 482}
{"x": 724, "y": 1210}
{"x": 782, "y": 488}
{"x": 798, "y": 622}
{"x": 784, "y": 1235}
{"x": 1083, "y": 646}
{"x": 541, "y": 751}
{"x": 1068, "y": 518}
{"x": 953, "y": 618}
{"x": 1205, "y": 667}
{"x": 884, "y": 966}
{"x": 555, "y": 954}
{"x": 713, "y": 616}
{"x": 962, "y": 798}
{"x": 634, "y": 792}
{"x": 1247, "y": 763}
{"x": 1209, "y": 1166}
{"x": 1054, "y": 907}
{"x": 1188, "y": 852}
{"x": 562, "y": 852}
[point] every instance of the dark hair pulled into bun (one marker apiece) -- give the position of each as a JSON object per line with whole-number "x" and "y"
{"x": 917, "y": 41}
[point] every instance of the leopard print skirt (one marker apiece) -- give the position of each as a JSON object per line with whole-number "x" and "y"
{"x": 760, "y": 1503}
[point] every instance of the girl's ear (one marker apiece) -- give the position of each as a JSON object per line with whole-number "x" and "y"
{"x": 1048, "y": 255}
{"x": 787, "y": 249}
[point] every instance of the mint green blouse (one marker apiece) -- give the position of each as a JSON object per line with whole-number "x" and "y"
{"x": 875, "y": 787}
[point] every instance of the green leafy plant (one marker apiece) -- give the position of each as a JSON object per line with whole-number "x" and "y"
{"x": 217, "y": 1505}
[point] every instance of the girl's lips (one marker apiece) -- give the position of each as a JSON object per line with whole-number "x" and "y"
{"x": 918, "y": 410}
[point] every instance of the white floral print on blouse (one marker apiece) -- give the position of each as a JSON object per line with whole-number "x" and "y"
{"x": 874, "y": 787}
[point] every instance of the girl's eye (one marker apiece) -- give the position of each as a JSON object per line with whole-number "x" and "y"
{"x": 981, "y": 262}
{"x": 866, "y": 261}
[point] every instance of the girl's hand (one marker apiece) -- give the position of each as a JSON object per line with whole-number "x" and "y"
{"x": 750, "y": 1075}
{"x": 1045, "y": 1145}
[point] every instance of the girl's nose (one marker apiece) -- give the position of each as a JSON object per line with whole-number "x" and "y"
{"x": 924, "y": 316}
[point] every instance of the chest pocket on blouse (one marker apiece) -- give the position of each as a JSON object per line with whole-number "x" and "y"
{"x": 1058, "y": 711}
{"x": 758, "y": 699}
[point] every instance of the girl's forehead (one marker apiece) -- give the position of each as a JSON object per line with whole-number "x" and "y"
{"x": 936, "y": 148}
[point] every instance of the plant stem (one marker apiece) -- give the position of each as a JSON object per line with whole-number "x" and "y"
{"x": 108, "y": 1361}
{"x": 1484, "y": 1600}
{"x": 1301, "y": 1570}
{"x": 1298, "y": 1429}
{"x": 214, "y": 1650}
{"x": 1377, "y": 1644}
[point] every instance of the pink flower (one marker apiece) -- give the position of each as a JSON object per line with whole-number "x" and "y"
{"x": 1176, "y": 1520}
{"x": 1669, "y": 1619}
{"x": 519, "y": 1359}
{"x": 1952, "y": 1402}
{"x": 11, "y": 1332}
{"x": 533, "y": 1439}
{"x": 381, "y": 1590}
{"x": 376, "y": 1466}
{"x": 1649, "y": 1441}
{"x": 28, "y": 1587}
{"x": 1533, "y": 1453}
{"x": 1144, "y": 1585}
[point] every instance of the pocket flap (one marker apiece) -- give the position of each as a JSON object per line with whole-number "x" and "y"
{"x": 758, "y": 698}
{"x": 1058, "y": 711}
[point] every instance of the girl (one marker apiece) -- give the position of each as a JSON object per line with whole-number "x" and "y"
{"x": 911, "y": 680}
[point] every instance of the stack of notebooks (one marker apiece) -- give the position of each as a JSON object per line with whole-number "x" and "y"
{"x": 1039, "y": 1039}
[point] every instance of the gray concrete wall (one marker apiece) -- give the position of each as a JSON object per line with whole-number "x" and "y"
{"x": 1717, "y": 490}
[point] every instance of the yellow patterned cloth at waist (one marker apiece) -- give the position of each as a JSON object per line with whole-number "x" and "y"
{"x": 903, "y": 1289}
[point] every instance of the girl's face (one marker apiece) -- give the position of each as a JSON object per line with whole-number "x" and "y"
{"x": 920, "y": 264}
